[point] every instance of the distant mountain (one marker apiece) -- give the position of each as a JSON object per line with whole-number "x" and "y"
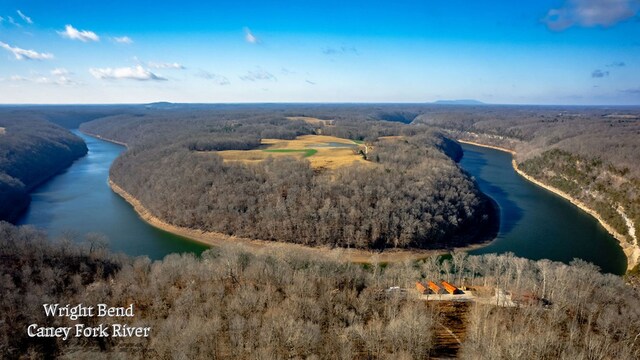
{"x": 161, "y": 105}
{"x": 460, "y": 102}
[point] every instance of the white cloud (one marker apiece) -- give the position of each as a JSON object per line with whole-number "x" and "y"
{"x": 123, "y": 40}
{"x": 249, "y": 37}
{"x": 25, "y": 17}
{"x": 133, "y": 73}
{"x": 23, "y": 54}
{"x": 215, "y": 78}
{"x": 1, "y": 19}
{"x": 60, "y": 72}
{"x": 74, "y": 34}
{"x": 259, "y": 74}
{"x": 59, "y": 80}
{"x": 590, "y": 13}
{"x": 173, "y": 65}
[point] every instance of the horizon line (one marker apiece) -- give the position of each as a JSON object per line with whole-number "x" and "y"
{"x": 479, "y": 104}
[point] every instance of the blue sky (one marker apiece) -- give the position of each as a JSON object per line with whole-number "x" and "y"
{"x": 508, "y": 52}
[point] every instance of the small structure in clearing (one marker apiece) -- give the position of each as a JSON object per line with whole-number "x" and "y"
{"x": 450, "y": 288}
{"x": 434, "y": 288}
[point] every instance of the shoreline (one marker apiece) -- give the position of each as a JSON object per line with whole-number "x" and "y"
{"x": 631, "y": 252}
{"x": 219, "y": 239}
{"x": 104, "y": 139}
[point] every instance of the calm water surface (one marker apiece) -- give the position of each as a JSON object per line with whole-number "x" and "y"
{"x": 534, "y": 223}
{"x": 80, "y": 200}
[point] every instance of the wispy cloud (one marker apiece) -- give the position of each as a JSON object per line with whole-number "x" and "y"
{"x": 25, "y": 17}
{"x": 215, "y": 78}
{"x": 617, "y": 64}
{"x": 122, "y": 40}
{"x": 174, "y": 65}
{"x": 634, "y": 91}
{"x": 590, "y": 13}
{"x": 15, "y": 78}
{"x": 24, "y": 54}
{"x": 74, "y": 34}
{"x": 60, "y": 72}
{"x": 132, "y": 73}
{"x": 249, "y": 37}
{"x": 597, "y": 73}
{"x": 59, "y": 77}
{"x": 259, "y": 74}
{"x": 340, "y": 50}
{"x": 13, "y": 22}
{"x": 310, "y": 82}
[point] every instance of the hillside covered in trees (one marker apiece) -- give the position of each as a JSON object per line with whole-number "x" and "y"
{"x": 31, "y": 151}
{"x": 589, "y": 153}
{"x": 409, "y": 194}
{"x": 231, "y": 303}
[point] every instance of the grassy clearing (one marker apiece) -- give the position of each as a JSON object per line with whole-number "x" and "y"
{"x": 311, "y": 120}
{"x": 307, "y": 152}
{"x": 323, "y": 152}
{"x": 2, "y": 131}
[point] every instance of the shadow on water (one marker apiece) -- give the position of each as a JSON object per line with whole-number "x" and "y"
{"x": 79, "y": 201}
{"x": 510, "y": 213}
{"x": 535, "y": 223}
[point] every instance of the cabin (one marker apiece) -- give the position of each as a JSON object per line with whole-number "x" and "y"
{"x": 421, "y": 288}
{"x": 434, "y": 288}
{"x": 450, "y": 288}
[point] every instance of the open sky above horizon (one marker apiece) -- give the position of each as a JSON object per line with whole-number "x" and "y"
{"x": 574, "y": 52}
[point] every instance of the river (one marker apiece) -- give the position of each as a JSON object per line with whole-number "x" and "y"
{"x": 79, "y": 201}
{"x": 534, "y": 223}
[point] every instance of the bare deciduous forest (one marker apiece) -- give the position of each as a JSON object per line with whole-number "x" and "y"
{"x": 31, "y": 151}
{"x": 590, "y": 153}
{"x": 416, "y": 196}
{"x": 230, "y": 303}
{"x": 235, "y": 303}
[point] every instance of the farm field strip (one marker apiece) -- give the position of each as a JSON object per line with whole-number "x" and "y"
{"x": 323, "y": 152}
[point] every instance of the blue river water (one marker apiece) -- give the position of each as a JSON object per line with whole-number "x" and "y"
{"x": 534, "y": 223}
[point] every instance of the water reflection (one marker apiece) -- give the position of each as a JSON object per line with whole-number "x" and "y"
{"x": 534, "y": 223}
{"x": 79, "y": 201}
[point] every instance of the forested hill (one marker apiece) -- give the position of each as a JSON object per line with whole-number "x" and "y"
{"x": 31, "y": 151}
{"x": 230, "y": 303}
{"x": 405, "y": 189}
{"x": 67, "y": 116}
{"x": 590, "y": 153}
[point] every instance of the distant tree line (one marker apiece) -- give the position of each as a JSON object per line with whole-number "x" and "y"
{"x": 31, "y": 151}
